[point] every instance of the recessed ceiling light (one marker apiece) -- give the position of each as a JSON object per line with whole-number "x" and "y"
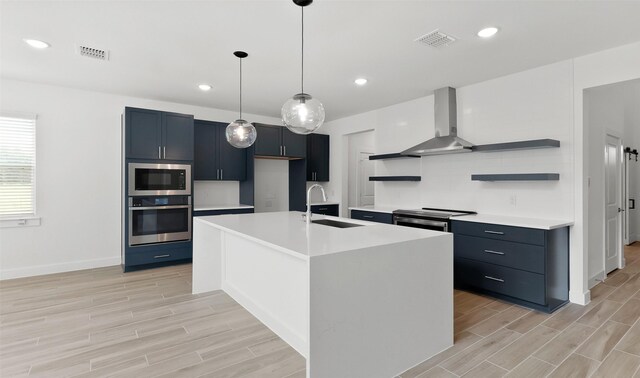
{"x": 361, "y": 81}
{"x": 204, "y": 87}
{"x": 36, "y": 43}
{"x": 487, "y": 32}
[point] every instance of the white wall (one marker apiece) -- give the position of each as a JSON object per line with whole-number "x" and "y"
{"x": 78, "y": 176}
{"x": 609, "y": 108}
{"x": 271, "y": 185}
{"x": 529, "y": 105}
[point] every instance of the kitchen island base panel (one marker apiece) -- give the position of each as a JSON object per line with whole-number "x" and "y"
{"x": 374, "y": 312}
{"x": 369, "y": 312}
{"x": 271, "y": 285}
{"x": 209, "y": 244}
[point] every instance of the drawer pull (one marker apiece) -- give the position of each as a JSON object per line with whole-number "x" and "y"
{"x": 494, "y": 279}
{"x": 493, "y": 252}
{"x": 494, "y": 232}
{"x": 368, "y": 216}
{"x": 322, "y": 208}
{"x": 161, "y": 256}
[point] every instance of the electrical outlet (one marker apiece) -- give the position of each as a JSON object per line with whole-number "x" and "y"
{"x": 513, "y": 200}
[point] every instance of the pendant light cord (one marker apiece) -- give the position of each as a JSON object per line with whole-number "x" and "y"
{"x": 240, "y": 88}
{"x": 302, "y": 60}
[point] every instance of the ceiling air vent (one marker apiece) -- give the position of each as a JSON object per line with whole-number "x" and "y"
{"x": 436, "y": 39}
{"x": 92, "y": 52}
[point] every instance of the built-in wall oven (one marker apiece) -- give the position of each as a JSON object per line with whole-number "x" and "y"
{"x": 147, "y": 179}
{"x": 159, "y": 219}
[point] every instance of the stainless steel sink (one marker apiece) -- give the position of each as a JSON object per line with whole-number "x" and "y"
{"x": 333, "y": 223}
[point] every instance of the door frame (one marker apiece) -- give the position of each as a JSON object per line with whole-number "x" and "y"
{"x": 619, "y": 178}
{"x": 359, "y": 153}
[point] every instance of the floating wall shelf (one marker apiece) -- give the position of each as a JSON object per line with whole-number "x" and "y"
{"x": 396, "y": 155}
{"x": 395, "y": 178}
{"x": 517, "y": 177}
{"x": 521, "y": 145}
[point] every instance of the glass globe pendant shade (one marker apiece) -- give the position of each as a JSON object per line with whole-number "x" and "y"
{"x": 302, "y": 114}
{"x": 241, "y": 134}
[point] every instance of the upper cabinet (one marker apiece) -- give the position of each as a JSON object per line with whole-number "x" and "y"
{"x": 317, "y": 157}
{"x": 278, "y": 141}
{"x": 156, "y": 135}
{"x": 215, "y": 158}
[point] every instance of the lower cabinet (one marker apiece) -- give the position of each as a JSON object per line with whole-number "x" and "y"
{"x": 372, "y": 216}
{"x": 332, "y": 209}
{"x": 204, "y": 213}
{"x": 529, "y": 267}
{"x": 156, "y": 255}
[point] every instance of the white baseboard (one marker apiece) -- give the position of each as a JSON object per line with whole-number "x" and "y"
{"x": 579, "y": 297}
{"x": 596, "y": 279}
{"x": 39, "y": 270}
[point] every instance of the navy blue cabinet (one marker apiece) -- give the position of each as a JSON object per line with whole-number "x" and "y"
{"x": 156, "y": 135}
{"x": 330, "y": 209}
{"x": 278, "y": 141}
{"x": 372, "y": 216}
{"x": 317, "y": 157}
{"x": 526, "y": 266}
{"x": 215, "y": 158}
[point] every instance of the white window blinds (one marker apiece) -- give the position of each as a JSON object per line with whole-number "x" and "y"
{"x": 17, "y": 165}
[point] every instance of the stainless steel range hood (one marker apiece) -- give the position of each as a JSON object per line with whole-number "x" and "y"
{"x": 446, "y": 140}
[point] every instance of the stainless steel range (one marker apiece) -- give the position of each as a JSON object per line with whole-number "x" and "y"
{"x": 431, "y": 219}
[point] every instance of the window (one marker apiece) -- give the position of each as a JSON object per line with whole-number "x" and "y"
{"x": 17, "y": 166}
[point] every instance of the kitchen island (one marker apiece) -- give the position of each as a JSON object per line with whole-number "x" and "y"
{"x": 367, "y": 301}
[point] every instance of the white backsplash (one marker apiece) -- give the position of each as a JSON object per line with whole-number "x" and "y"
{"x": 215, "y": 193}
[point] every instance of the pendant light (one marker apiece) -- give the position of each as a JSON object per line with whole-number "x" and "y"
{"x": 240, "y": 133}
{"x": 302, "y": 113}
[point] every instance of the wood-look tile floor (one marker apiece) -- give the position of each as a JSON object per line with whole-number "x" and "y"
{"x": 102, "y": 322}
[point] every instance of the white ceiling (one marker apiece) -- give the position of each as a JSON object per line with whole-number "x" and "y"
{"x": 164, "y": 49}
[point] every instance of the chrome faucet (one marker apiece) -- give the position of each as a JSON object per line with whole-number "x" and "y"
{"x": 324, "y": 198}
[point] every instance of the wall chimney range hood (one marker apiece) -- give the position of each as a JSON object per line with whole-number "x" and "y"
{"x": 446, "y": 140}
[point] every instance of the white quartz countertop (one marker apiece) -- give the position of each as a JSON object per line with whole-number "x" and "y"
{"x": 324, "y": 203}
{"x": 288, "y": 232}
{"x": 374, "y": 208}
{"x": 543, "y": 224}
{"x": 221, "y": 207}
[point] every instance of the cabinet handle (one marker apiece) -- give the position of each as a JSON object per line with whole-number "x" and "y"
{"x": 494, "y": 232}
{"x": 315, "y": 176}
{"x": 161, "y": 256}
{"x": 322, "y": 209}
{"x": 368, "y": 216}
{"x": 494, "y": 279}
{"x": 221, "y": 173}
{"x": 164, "y": 152}
{"x": 285, "y": 150}
{"x": 280, "y": 150}
{"x": 217, "y": 174}
{"x": 159, "y": 153}
{"x": 494, "y": 252}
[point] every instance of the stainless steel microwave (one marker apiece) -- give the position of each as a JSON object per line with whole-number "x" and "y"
{"x": 159, "y": 179}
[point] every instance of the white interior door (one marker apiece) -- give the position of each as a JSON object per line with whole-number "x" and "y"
{"x": 613, "y": 192}
{"x": 366, "y": 191}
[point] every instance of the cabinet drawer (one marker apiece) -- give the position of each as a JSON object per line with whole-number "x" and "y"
{"x": 325, "y": 210}
{"x": 514, "y": 255}
{"x": 372, "y": 216}
{"x": 150, "y": 257}
{"x": 499, "y": 279}
{"x": 499, "y": 232}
